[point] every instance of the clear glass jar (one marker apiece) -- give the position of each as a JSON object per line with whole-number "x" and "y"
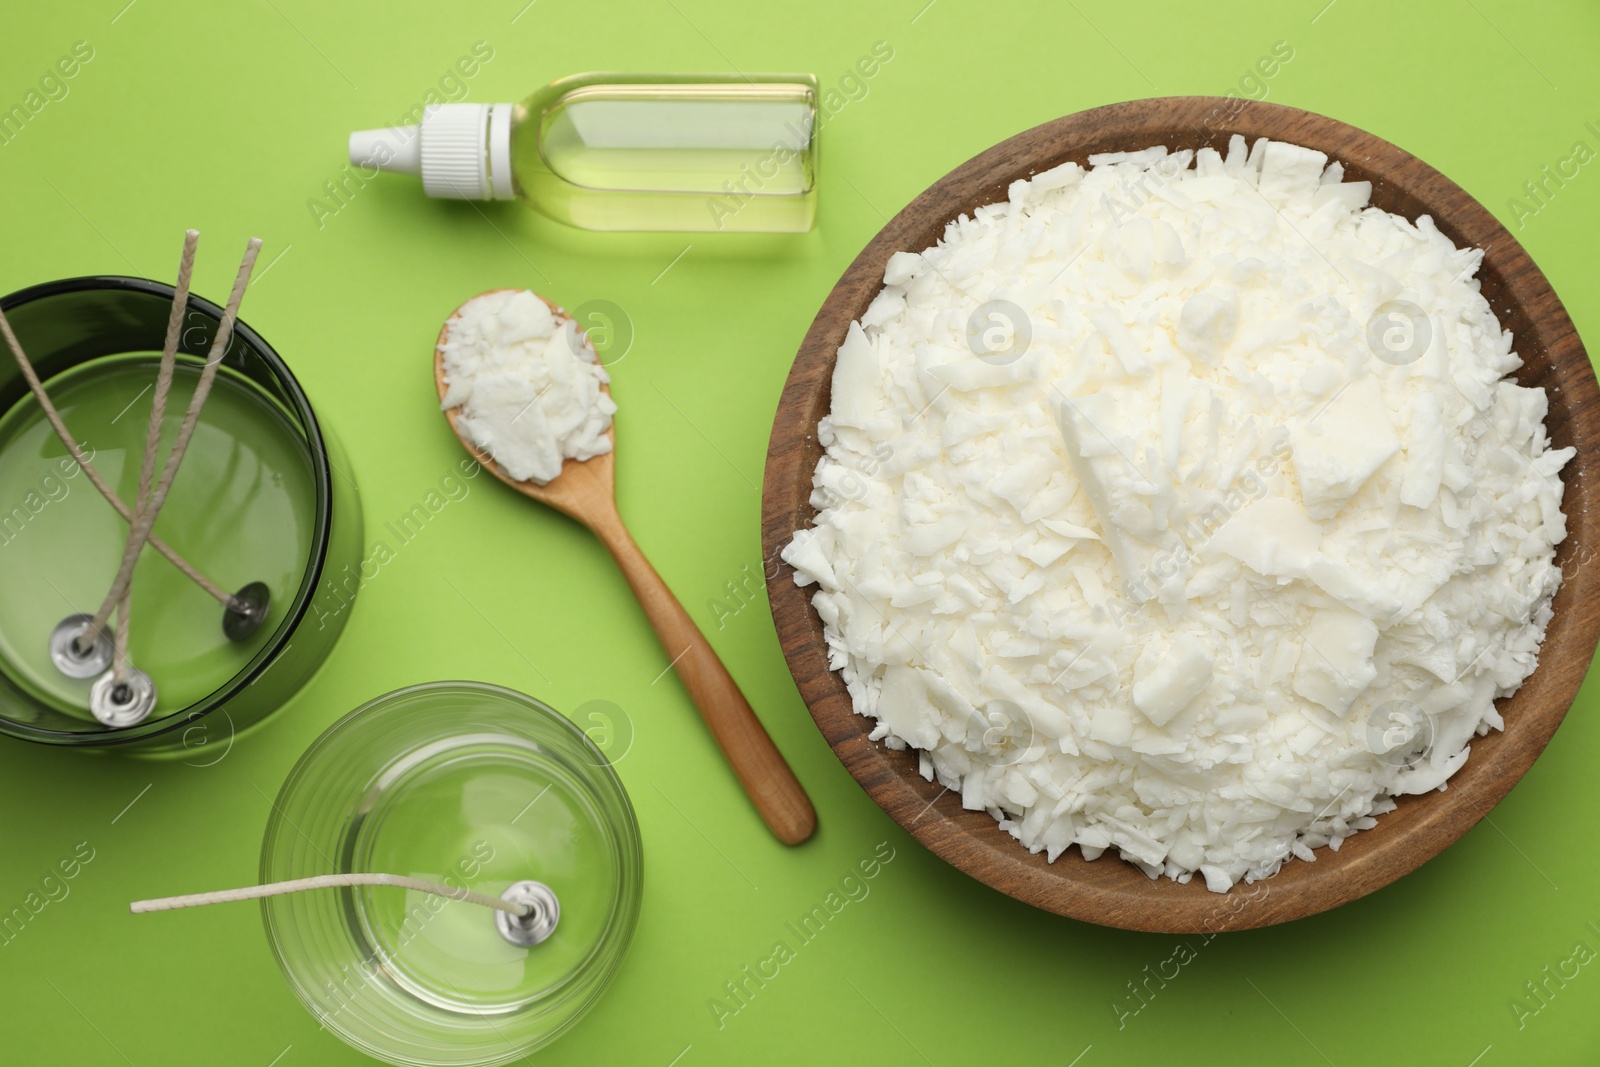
{"x": 475, "y": 787}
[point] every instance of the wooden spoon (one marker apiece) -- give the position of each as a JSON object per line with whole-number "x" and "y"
{"x": 586, "y": 491}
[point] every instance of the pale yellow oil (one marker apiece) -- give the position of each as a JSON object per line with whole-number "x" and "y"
{"x": 605, "y": 153}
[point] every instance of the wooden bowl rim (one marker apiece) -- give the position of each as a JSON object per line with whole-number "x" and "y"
{"x": 1109, "y": 891}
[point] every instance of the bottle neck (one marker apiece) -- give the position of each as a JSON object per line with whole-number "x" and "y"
{"x": 461, "y": 151}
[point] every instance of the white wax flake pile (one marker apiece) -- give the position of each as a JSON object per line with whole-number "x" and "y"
{"x": 1125, "y": 524}
{"x": 528, "y": 385}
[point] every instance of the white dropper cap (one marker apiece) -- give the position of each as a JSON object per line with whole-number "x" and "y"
{"x": 462, "y": 151}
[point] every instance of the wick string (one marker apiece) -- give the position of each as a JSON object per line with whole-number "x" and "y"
{"x": 119, "y": 639}
{"x": 152, "y": 440}
{"x": 329, "y": 881}
{"x": 169, "y": 353}
{"x": 88, "y": 468}
{"x": 144, "y": 519}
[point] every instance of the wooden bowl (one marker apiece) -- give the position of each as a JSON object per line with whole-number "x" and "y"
{"x": 1109, "y": 891}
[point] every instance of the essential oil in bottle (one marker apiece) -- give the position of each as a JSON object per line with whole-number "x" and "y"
{"x": 712, "y": 152}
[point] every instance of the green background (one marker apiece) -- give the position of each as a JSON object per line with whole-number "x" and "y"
{"x": 230, "y": 117}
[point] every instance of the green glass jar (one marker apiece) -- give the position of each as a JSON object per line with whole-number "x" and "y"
{"x": 261, "y": 497}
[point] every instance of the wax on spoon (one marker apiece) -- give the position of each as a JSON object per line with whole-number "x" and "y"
{"x": 586, "y": 491}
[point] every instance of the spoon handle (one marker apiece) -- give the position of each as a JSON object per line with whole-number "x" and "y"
{"x": 760, "y": 767}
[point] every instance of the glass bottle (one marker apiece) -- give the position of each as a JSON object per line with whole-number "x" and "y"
{"x": 687, "y": 152}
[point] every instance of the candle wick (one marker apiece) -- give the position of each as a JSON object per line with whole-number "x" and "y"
{"x": 158, "y": 413}
{"x": 330, "y": 881}
{"x": 84, "y": 464}
{"x": 148, "y": 507}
